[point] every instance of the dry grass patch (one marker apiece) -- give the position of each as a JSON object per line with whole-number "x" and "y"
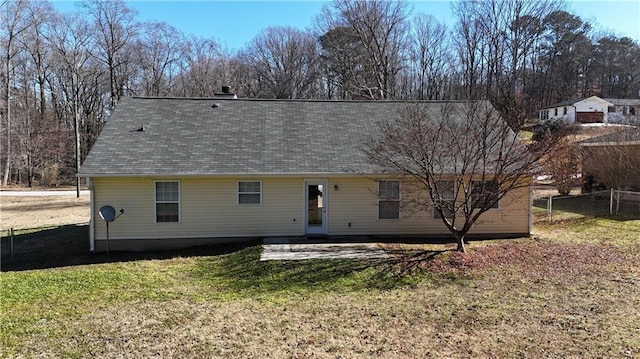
{"x": 508, "y": 299}
{"x": 573, "y": 292}
{"x": 42, "y": 211}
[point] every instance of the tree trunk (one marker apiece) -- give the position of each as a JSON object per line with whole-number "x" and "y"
{"x": 460, "y": 242}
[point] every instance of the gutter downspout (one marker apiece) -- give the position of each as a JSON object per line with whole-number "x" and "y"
{"x": 92, "y": 237}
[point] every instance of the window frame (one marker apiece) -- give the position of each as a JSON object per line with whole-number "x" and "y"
{"x": 544, "y": 115}
{"x": 239, "y": 194}
{"x": 156, "y": 202}
{"x": 387, "y": 199}
{"x": 436, "y": 214}
{"x": 475, "y": 184}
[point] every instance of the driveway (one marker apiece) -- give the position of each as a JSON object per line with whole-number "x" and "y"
{"x": 296, "y": 248}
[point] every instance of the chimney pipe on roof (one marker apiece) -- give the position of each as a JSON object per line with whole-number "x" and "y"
{"x": 226, "y": 93}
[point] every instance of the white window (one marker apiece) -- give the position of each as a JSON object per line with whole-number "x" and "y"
{"x": 446, "y": 191}
{"x": 389, "y": 200}
{"x": 167, "y": 201}
{"x": 484, "y": 193}
{"x": 249, "y": 192}
{"x": 544, "y": 115}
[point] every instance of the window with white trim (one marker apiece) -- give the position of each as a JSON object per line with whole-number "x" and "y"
{"x": 544, "y": 115}
{"x": 446, "y": 190}
{"x": 389, "y": 200}
{"x": 482, "y": 193}
{"x": 167, "y": 200}
{"x": 249, "y": 192}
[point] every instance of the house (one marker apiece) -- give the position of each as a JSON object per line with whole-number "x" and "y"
{"x": 623, "y": 111}
{"x": 583, "y": 110}
{"x": 593, "y": 110}
{"x": 612, "y": 160}
{"x": 193, "y": 171}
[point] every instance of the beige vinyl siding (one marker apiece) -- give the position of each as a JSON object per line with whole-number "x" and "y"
{"x": 209, "y": 208}
{"x": 356, "y": 202}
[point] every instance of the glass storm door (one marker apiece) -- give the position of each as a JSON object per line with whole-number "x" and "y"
{"x": 315, "y": 207}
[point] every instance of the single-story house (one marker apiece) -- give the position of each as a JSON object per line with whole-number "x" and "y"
{"x": 583, "y": 110}
{"x": 612, "y": 160}
{"x": 623, "y": 111}
{"x": 193, "y": 171}
{"x": 593, "y": 110}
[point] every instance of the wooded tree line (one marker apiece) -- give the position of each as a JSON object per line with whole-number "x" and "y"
{"x": 62, "y": 74}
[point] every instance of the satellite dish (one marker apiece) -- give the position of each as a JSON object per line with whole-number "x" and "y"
{"x": 108, "y": 213}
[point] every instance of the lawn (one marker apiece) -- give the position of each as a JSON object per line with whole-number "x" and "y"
{"x": 573, "y": 291}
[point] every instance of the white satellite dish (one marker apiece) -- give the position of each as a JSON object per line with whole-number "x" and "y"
{"x": 108, "y": 213}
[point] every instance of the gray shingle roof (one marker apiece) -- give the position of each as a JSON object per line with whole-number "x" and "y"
{"x": 626, "y": 137}
{"x": 623, "y": 101}
{"x": 191, "y": 137}
{"x": 565, "y": 102}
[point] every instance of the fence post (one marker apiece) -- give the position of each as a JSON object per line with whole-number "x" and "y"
{"x": 611, "y": 202}
{"x": 11, "y": 242}
{"x": 550, "y": 209}
{"x": 617, "y": 201}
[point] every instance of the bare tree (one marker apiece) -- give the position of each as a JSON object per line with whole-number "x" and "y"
{"x": 115, "y": 29}
{"x": 283, "y": 63}
{"x": 71, "y": 46}
{"x": 204, "y": 68}
{"x": 612, "y": 160}
{"x": 13, "y": 16}
{"x": 462, "y": 158}
{"x": 381, "y": 28}
{"x": 159, "y": 51}
{"x": 430, "y": 57}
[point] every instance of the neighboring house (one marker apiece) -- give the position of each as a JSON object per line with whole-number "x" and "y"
{"x": 197, "y": 171}
{"x": 583, "y": 110}
{"x": 612, "y": 160}
{"x": 623, "y": 111}
{"x": 593, "y": 110}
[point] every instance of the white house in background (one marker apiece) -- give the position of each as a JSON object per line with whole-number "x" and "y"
{"x": 583, "y": 110}
{"x": 624, "y": 111}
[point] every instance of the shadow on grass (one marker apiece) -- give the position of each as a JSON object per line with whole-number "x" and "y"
{"x": 243, "y": 272}
{"x": 236, "y": 265}
{"x": 68, "y": 245}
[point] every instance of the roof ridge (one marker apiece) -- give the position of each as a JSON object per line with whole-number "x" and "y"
{"x": 298, "y": 100}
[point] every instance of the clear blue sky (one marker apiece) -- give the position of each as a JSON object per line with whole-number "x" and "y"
{"x": 234, "y": 23}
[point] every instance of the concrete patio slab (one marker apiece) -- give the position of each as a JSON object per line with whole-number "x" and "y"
{"x": 286, "y": 248}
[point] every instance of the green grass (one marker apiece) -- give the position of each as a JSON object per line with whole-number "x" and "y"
{"x": 573, "y": 292}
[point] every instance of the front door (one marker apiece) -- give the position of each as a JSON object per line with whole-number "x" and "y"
{"x": 315, "y": 207}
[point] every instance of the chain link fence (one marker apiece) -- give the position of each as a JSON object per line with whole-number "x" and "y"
{"x": 42, "y": 244}
{"x": 595, "y": 204}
